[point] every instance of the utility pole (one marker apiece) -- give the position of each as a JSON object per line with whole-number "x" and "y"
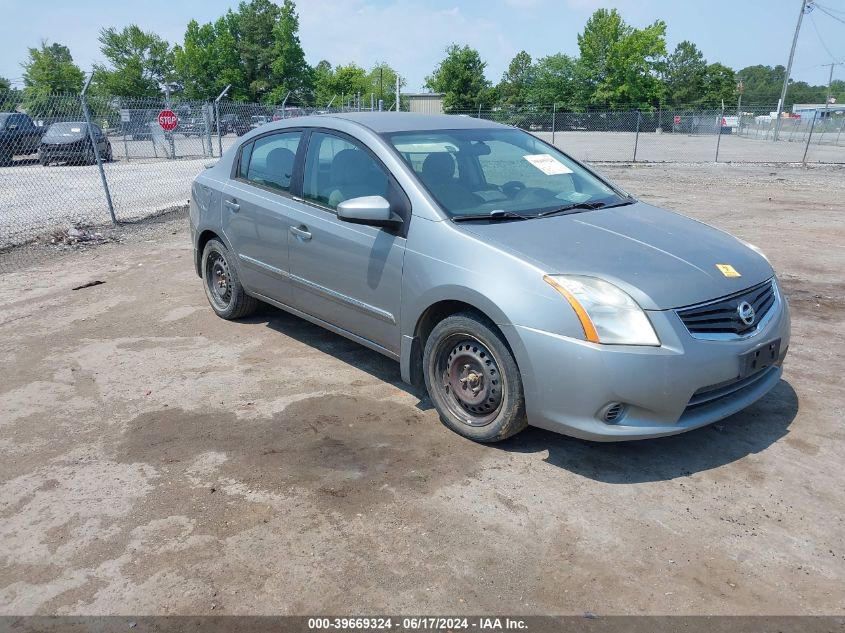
{"x": 398, "y": 106}
{"x": 806, "y": 7}
{"x": 829, "y": 82}
{"x": 740, "y": 88}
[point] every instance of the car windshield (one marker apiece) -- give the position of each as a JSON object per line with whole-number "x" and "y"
{"x": 65, "y": 130}
{"x": 506, "y": 171}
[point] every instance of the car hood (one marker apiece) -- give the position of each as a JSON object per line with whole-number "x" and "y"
{"x": 662, "y": 259}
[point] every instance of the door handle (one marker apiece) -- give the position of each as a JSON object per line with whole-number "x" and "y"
{"x": 301, "y": 232}
{"x": 234, "y": 206}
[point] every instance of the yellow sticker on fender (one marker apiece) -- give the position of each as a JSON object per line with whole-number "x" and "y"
{"x": 727, "y": 270}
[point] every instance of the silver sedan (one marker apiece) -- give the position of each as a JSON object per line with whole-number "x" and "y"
{"x": 513, "y": 282}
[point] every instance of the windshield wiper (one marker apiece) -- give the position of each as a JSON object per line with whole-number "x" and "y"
{"x": 576, "y": 207}
{"x": 498, "y": 215}
{"x": 579, "y": 207}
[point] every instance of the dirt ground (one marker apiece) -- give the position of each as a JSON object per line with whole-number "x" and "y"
{"x": 159, "y": 460}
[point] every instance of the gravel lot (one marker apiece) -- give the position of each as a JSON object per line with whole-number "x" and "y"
{"x": 35, "y": 199}
{"x": 158, "y": 460}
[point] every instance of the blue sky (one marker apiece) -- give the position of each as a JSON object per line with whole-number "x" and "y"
{"x": 411, "y": 34}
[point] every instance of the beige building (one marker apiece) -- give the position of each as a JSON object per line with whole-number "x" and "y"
{"x": 425, "y": 102}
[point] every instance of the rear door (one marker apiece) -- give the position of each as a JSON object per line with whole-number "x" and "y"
{"x": 256, "y": 211}
{"x": 347, "y": 274}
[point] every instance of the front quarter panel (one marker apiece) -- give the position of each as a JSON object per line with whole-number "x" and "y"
{"x": 445, "y": 263}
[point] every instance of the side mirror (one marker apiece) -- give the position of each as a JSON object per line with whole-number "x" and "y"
{"x": 372, "y": 210}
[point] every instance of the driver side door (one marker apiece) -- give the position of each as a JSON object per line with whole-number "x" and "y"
{"x": 347, "y": 275}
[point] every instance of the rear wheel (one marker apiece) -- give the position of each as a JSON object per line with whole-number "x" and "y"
{"x": 473, "y": 380}
{"x": 223, "y": 287}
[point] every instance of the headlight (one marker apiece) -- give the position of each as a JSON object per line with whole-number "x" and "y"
{"x": 607, "y": 314}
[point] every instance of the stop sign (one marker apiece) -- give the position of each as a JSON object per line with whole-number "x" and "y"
{"x": 168, "y": 120}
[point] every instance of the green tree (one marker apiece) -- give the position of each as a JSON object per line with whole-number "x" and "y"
{"x": 253, "y": 25}
{"x": 208, "y": 61}
{"x": 554, "y": 82}
{"x": 619, "y": 65}
{"x": 347, "y": 81}
{"x": 762, "y": 85}
{"x": 719, "y": 86}
{"x": 837, "y": 90}
{"x": 323, "y": 78}
{"x": 802, "y": 92}
{"x": 50, "y": 70}
{"x": 685, "y": 75}
{"x": 382, "y": 80}
{"x": 139, "y": 62}
{"x": 289, "y": 70}
{"x": 5, "y": 85}
{"x": 517, "y": 81}
{"x": 460, "y": 77}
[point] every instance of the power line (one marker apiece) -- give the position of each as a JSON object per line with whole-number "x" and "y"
{"x": 823, "y": 7}
{"x": 821, "y": 39}
{"x": 828, "y": 13}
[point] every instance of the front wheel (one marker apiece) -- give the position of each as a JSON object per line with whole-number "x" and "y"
{"x": 223, "y": 287}
{"x": 473, "y": 380}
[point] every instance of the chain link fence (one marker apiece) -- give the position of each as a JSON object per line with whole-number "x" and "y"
{"x": 76, "y": 161}
{"x": 754, "y": 135}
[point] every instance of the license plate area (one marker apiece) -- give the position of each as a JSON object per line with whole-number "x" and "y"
{"x": 758, "y": 359}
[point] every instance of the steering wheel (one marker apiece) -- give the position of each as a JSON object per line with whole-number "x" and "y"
{"x": 512, "y": 187}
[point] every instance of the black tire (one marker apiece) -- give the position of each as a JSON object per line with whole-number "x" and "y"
{"x": 473, "y": 380}
{"x": 109, "y": 154}
{"x": 222, "y": 285}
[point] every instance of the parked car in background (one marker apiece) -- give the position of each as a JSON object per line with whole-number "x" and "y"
{"x": 235, "y": 123}
{"x": 518, "y": 285}
{"x": 288, "y": 113}
{"x": 191, "y": 126}
{"x": 19, "y": 136}
{"x": 258, "y": 120}
{"x": 70, "y": 143}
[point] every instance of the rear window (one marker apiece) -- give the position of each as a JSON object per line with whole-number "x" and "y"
{"x": 272, "y": 158}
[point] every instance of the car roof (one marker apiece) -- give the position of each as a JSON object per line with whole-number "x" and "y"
{"x": 389, "y": 122}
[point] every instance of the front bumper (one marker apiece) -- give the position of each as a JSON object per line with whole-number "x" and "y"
{"x": 60, "y": 155}
{"x": 684, "y": 384}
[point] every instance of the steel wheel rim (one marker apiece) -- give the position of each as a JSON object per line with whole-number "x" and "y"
{"x": 469, "y": 380}
{"x": 218, "y": 280}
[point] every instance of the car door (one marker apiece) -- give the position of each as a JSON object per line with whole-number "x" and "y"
{"x": 22, "y": 132}
{"x": 256, "y": 211}
{"x": 348, "y": 275}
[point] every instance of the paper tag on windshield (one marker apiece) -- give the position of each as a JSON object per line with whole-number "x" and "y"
{"x": 547, "y": 164}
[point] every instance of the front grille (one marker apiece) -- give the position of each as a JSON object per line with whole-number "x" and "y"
{"x": 721, "y": 317}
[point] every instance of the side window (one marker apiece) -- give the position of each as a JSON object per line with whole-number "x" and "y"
{"x": 271, "y": 160}
{"x": 338, "y": 170}
{"x": 243, "y": 164}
